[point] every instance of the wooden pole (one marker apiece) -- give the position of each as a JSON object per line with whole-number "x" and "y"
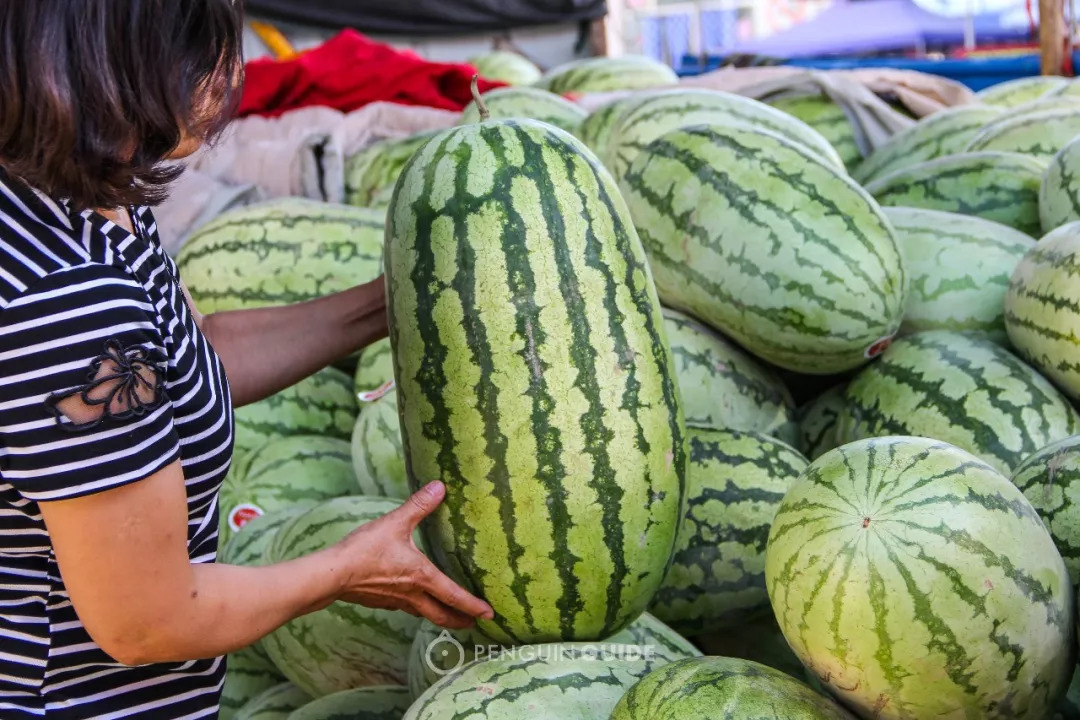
{"x": 1051, "y": 36}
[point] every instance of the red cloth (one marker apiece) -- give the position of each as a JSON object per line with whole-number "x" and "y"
{"x": 350, "y": 71}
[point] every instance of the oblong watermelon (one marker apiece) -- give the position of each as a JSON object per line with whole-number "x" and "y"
{"x": 377, "y": 454}
{"x": 595, "y": 130}
{"x": 1042, "y": 307}
{"x": 757, "y": 238}
{"x": 538, "y": 682}
{"x": 274, "y": 704}
{"x": 505, "y": 66}
{"x": 607, "y": 74}
{"x": 436, "y": 653}
{"x": 1038, "y": 134}
{"x": 1059, "y": 194}
{"x": 1050, "y": 480}
{"x": 818, "y": 420}
{"x": 321, "y": 404}
{"x": 959, "y": 268}
{"x": 721, "y": 687}
{"x": 998, "y": 186}
{"x": 964, "y": 390}
{"x": 371, "y": 703}
{"x": 342, "y": 646}
{"x": 371, "y": 173}
{"x": 722, "y": 386}
{"x": 527, "y": 102}
{"x": 822, "y": 113}
{"x": 735, "y": 482}
{"x": 534, "y": 378}
{"x": 1014, "y": 93}
{"x": 284, "y": 472}
{"x": 946, "y": 132}
{"x": 905, "y": 569}
{"x": 671, "y": 110}
{"x": 281, "y": 252}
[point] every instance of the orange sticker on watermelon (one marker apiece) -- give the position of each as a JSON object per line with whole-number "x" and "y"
{"x": 879, "y": 347}
{"x": 373, "y": 395}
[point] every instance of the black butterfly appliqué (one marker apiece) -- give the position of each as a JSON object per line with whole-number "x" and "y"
{"x": 135, "y": 370}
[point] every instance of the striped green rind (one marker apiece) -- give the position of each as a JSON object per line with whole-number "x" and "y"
{"x": 538, "y": 682}
{"x": 1070, "y": 89}
{"x": 959, "y": 268}
{"x": 944, "y": 133}
{"x": 507, "y": 67}
{"x": 248, "y": 674}
{"x": 370, "y": 174}
{"x": 281, "y": 252}
{"x": 554, "y": 424}
{"x": 372, "y": 703}
{"x": 998, "y": 186}
{"x": 604, "y": 74}
{"x": 284, "y": 472}
{"x": 1042, "y": 308}
{"x": 817, "y": 291}
{"x": 1038, "y": 134}
{"x": 964, "y": 390}
{"x": 1023, "y": 90}
{"x": 1059, "y": 195}
{"x": 436, "y": 653}
{"x": 527, "y": 102}
{"x": 1047, "y": 102}
{"x": 248, "y": 546}
{"x": 818, "y": 421}
{"x": 917, "y": 582}
{"x": 672, "y": 110}
{"x": 759, "y": 640}
{"x": 274, "y": 704}
{"x": 342, "y": 646}
{"x": 596, "y": 129}
{"x": 722, "y": 386}
{"x": 721, "y": 687}
{"x": 321, "y": 404}
{"x": 377, "y": 455}
{"x": 735, "y": 482}
{"x": 375, "y": 367}
{"x": 824, "y": 115}
{"x": 1050, "y": 480}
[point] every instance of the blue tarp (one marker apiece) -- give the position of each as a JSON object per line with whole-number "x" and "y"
{"x": 862, "y": 26}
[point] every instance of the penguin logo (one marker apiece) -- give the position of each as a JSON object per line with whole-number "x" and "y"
{"x": 444, "y": 655}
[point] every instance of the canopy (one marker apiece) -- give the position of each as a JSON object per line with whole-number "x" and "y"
{"x": 860, "y": 26}
{"x": 428, "y": 17}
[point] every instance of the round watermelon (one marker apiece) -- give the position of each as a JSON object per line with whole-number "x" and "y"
{"x": 526, "y": 102}
{"x": 377, "y": 455}
{"x": 918, "y": 582}
{"x": 342, "y": 646}
{"x": 505, "y": 66}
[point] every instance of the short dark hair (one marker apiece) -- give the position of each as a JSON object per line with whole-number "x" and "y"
{"x": 95, "y": 94}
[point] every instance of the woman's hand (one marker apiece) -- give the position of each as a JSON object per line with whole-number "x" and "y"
{"x": 386, "y": 569}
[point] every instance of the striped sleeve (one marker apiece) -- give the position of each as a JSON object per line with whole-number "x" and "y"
{"x": 52, "y": 339}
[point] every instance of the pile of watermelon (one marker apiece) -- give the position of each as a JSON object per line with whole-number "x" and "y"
{"x": 736, "y": 420}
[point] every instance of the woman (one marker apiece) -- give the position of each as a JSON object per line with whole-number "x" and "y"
{"x": 115, "y": 411}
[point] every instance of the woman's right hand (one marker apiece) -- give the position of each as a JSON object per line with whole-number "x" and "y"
{"x": 384, "y": 568}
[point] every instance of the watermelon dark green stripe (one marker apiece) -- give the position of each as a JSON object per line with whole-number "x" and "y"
{"x": 735, "y": 482}
{"x": 723, "y": 687}
{"x": 1050, "y": 480}
{"x": 944, "y": 133}
{"x": 496, "y": 224}
{"x": 718, "y": 246}
{"x": 949, "y": 568}
{"x": 998, "y": 186}
{"x": 961, "y": 389}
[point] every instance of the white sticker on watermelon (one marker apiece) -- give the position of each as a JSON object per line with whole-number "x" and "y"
{"x": 372, "y": 395}
{"x": 242, "y": 514}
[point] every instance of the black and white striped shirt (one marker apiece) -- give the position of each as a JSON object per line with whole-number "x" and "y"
{"x": 72, "y": 284}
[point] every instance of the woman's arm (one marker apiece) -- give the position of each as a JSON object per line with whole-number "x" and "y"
{"x": 123, "y": 557}
{"x": 267, "y": 350}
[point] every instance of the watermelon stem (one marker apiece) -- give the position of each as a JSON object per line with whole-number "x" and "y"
{"x": 485, "y": 115}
